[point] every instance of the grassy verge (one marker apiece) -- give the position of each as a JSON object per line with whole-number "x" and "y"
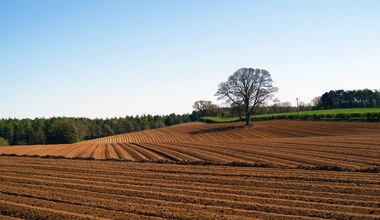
{"x": 353, "y": 114}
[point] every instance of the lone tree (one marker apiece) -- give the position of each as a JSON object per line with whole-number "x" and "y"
{"x": 248, "y": 88}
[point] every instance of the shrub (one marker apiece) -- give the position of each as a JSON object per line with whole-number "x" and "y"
{"x": 3, "y": 142}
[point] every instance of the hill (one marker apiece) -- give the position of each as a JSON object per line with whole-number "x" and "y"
{"x": 291, "y": 144}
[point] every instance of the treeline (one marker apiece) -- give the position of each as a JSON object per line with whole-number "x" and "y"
{"x": 204, "y": 108}
{"x": 61, "y": 130}
{"x": 365, "y": 98}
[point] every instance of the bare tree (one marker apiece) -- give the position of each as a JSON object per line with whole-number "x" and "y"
{"x": 316, "y": 102}
{"x": 206, "y": 108}
{"x": 202, "y": 105}
{"x": 248, "y": 88}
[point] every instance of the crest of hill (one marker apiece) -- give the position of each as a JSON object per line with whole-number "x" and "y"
{"x": 198, "y": 131}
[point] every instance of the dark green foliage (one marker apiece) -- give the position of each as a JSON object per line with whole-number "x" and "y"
{"x": 70, "y": 130}
{"x": 357, "y": 114}
{"x": 63, "y": 132}
{"x": 365, "y": 98}
{"x": 326, "y": 117}
{"x": 3, "y": 142}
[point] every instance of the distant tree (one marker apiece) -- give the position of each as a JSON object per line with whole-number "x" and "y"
{"x": 201, "y": 105}
{"x": 124, "y": 126}
{"x": 81, "y": 128}
{"x": 40, "y": 137}
{"x": 169, "y": 121}
{"x": 9, "y": 132}
{"x": 248, "y": 88}
{"x": 316, "y": 102}
{"x": 364, "y": 98}
{"x": 286, "y": 106}
{"x": 3, "y": 142}
{"x": 63, "y": 132}
{"x": 206, "y": 108}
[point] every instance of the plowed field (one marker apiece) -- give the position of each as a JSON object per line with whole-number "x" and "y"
{"x": 288, "y": 144}
{"x": 273, "y": 170}
{"x": 38, "y": 188}
{"x": 236, "y": 131}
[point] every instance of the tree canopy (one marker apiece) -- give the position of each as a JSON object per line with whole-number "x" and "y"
{"x": 364, "y": 98}
{"x": 63, "y": 132}
{"x": 247, "y": 89}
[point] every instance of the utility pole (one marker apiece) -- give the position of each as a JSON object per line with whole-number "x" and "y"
{"x": 298, "y": 109}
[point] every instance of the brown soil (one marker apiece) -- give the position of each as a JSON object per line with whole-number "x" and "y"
{"x": 273, "y": 170}
{"x": 35, "y": 188}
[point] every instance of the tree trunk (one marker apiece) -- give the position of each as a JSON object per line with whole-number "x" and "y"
{"x": 248, "y": 119}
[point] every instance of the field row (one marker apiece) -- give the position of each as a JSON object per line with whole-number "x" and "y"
{"x": 60, "y": 189}
{"x": 336, "y": 153}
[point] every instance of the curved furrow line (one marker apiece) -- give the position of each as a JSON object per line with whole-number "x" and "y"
{"x": 275, "y": 161}
{"x": 156, "y": 135}
{"x": 111, "y": 152}
{"x": 358, "y": 161}
{"x": 185, "y": 156}
{"x": 299, "y": 153}
{"x": 291, "y": 156}
{"x": 242, "y": 156}
{"x": 147, "y": 153}
{"x": 121, "y": 153}
{"x": 164, "y": 153}
{"x": 204, "y": 155}
{"x": 330, "y": 145}
{"x": 86, "y": 153}
{"x": 92, "y": 155}
{"x": 347, "y": 152}
{"x": 136, "y": 155}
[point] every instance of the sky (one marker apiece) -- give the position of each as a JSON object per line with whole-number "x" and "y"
{"x": 99, "y": 59}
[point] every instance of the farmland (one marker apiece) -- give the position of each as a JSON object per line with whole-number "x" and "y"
{"x": 60, "y": 189}
{"x": 272, "y": 170}
{"x": 289, "y": 144}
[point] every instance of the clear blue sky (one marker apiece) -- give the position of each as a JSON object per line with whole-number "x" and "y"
{"x": 115, "y": 58}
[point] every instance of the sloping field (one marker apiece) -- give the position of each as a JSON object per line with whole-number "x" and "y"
{"x": 287, "y": 144}
{"x": 39, "y": 188}
{"x": 197, "y": 131}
